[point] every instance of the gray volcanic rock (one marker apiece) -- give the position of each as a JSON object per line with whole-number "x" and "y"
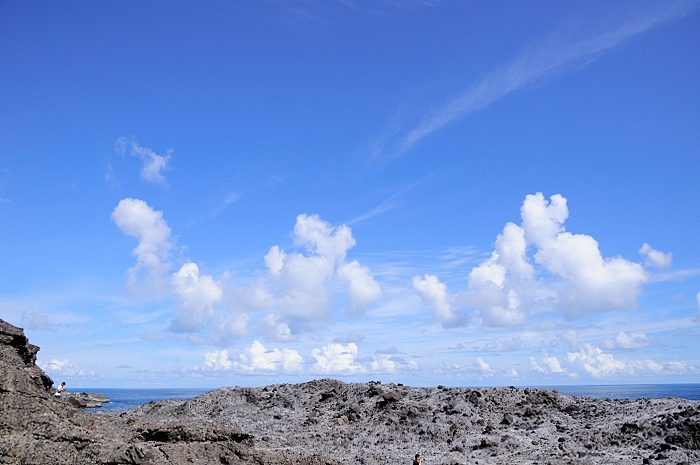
{"x": 86, "y": 399}
{"x": 36, "y": 428}
{"x": 328, "y": 422}
{"x": 386, "y": 424}
{"x": 17, "y": 352}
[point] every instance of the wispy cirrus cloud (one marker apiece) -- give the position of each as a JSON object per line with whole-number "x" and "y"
{"x": 560, "y": 52}
{"x": 387, "y": 204}
{"x": 153, "y": 164}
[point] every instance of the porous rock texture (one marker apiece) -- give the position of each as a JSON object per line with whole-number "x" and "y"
{"x": 36, "y": 428}
{"x": 327, "y": 422}
{"x": 387, "y": 424}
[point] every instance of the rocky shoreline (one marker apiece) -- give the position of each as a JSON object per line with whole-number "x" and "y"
{"x": 381, "y": 424}
{"x": 83, "y": 399}
{"x": 37, "y": 429}
{"x": 330, "y": 422}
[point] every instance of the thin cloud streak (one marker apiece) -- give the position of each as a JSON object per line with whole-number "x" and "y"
{"x": 555, "y": 55}
{"x": 387, "y": 204}
{"x": 384, "y": 206}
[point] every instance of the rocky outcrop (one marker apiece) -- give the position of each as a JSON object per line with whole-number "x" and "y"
{"x": 17, "y": 353}
{"x": 85, "y": 399}
{"x": 328, "y": 422}
{"x": 378, "y": 423}
{"x": 36, "y": 428}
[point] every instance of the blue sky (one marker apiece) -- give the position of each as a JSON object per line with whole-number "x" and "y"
{"x": 428, "y": 192}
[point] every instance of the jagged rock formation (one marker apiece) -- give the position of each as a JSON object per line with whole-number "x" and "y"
{"x": 387, "y": 424}
{"x": 327, "y": 422}
{"x": 37, "y": 429}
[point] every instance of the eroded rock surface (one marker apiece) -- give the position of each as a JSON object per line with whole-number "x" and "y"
{"x": 387, "y": 424}
{"x": 36, "y": 428}
{"x": 327, "y": 422}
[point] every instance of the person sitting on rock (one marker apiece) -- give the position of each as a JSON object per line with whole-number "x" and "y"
{"x": 61, "y": 388}
{"x": 418, "y": 460}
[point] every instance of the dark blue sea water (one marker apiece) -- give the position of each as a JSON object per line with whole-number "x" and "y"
{"x": 632, "y": 391}
{"x": 121, "y": 399}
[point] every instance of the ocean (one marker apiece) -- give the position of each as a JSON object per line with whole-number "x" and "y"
{"x": 122, "y": 399}
{"x": 633, "y": 391}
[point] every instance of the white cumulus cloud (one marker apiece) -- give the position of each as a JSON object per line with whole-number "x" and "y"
{"x": 217, "y": 360}
{"x": 547, "y": 364}
{"x": 299, "y": 290}
{"x": 136, "y": 218}
{"x": 536, "y": 366}
{"x": 273, "y": 326}
{"x": 677, "y": 367}
{"x": 258, "y": 358}
{"x": 304, "y": 282}
{"x": 501, "y": 345}
{"x": 226, "y": 327}
{"x": 570, "y": 339}
{"x": 589, "y": 282}
{"x": 434, "y": 295}
{"x": 336, "y": 358}
{"x": 552, "y": 364}
{"x": 255, "y": 358}
{"x": 383, "y": 364}
{"x": 623, "y": 340}
{"x": 483, "y": 367}
{"x": 539, "y": 266}
{"x": 651, "y": 366}
{"x": 495, "y": 280}
{"x": 362, "y": 287}
{"x": 61, "y": 367}
{"x": 598, "y": 363}
{"x": 197, "y": 295}
{"x": 656, "y": 258}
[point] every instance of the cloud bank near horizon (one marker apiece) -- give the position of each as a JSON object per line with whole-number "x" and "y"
{"x": 536, "y": 268}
